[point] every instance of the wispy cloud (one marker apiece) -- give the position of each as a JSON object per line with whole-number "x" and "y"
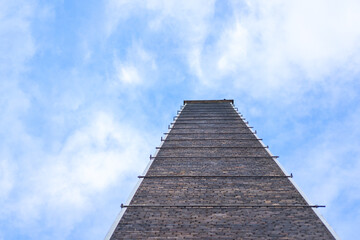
{"x": 284, "y": 45}
{"x": 76, "y": 107}
{"x": 327, "y": 169}
{"x": 127, "y": 74}
{"x": 59, "y": 186}
{"x": 188, "y": 21}
{"x": 17, "y": 46}
{"x": 137, "y": 65}
{"x": 48, "y": 184}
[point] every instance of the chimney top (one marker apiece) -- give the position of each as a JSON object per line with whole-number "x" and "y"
{"x": 209, "y": 101}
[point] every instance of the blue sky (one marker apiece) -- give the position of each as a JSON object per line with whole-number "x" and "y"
{"x": 87, "y": 88}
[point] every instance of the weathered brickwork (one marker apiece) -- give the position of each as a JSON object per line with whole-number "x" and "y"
{"x": 213, "y": 179}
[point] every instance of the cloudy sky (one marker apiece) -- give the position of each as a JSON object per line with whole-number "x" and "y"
{"x": 88, "y": 87}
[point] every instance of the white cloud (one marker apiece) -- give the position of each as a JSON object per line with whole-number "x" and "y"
{"x": 60, "y": 186}
{"x": 49, "y": 185}
{"x": 188, "y": 21}
{"x": 91, "y": 159}
{"x": 260, "y": 46}
{"x": 16, "y": 48}
{"x": 16, "y": 44}
{"x": 127, "y": 74}
{"x": 283, "y": 45}
{"x": 137, "y": 65}
{"x": 6, "y": 178}
{"x": 115, "y": 10}
{"x": 233, "y": 44}
{"x": 190, "y": 16}
{"x": 266, "y": 49}
{"x": 327, "y": 169}
{"x": 185, "y": 21}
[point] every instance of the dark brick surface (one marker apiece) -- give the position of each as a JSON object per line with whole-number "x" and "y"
{"x": 215, "y": 223}
{"x": 215, "y": 166}
{"x": 216, "y": 143}
{"x": 217, "y": 190}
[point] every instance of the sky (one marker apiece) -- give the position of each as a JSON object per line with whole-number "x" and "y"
{"x": 88, "y": 87}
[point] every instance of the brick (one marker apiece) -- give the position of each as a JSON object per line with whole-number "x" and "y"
{"x": 204, "y": 131}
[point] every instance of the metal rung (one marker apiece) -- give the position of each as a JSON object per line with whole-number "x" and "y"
{"x": 203, "y": 107}
{"x": 219, "y": 206}
{"x": 210, "y": 147}
{"x": 195, "y": 105}
{"x": 204, "y": 114}
{"x": 184, "y": 117}
{"x": 212, "y": 110}
{"x": 164, "y": 157}
{"x": 185, "y": 122}
{"x": 206, "y": 111}
{"x": 233, "y": 122}
{"x": 181, "y": 118}
{"x": 227, "y": 125}
{"x": 222, "y": 119}
{"x": 227, "y": 112}
{"x": 216, "y": 115}
{"x": 208, "y": 127}
{"x": 190, "y": 111}
{"x": 206, "y": 133}
{"x": 204, "y": 139}
{"x": 216, "y": 176}
{"x": 225, "y": 106}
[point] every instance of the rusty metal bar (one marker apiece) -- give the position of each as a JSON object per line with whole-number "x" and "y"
{"x": 219, "y": 206}
{"x": 209, "y": 133}
{"x": 210, "y": 119}
{"x": 208, "y": 128}
{"x": 211, "y": 147}
{"x": 217, "y": 176}
{"x": 164, "y": 157}
{"x": 204, "y": 139}
{"x": 233, "y": 121}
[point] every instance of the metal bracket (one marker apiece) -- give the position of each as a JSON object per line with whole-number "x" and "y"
{"x": 219, "y": 206}
{"x": 215, "y": 176}
{"x": 164, "y": 157}
{"x": 175, "y": 147}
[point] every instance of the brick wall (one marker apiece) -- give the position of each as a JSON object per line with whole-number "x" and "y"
{"x": 212, "y": 179}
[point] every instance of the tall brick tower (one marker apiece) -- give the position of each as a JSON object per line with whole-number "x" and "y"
{"x": 213, "y": 178}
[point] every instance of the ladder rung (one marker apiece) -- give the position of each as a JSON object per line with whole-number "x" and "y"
{"x": 164, "y": 157}
{"x": 205, "y": 139}
{"x": 216, "y": 176}
{"x": 210, "y": 147}
{"x": 206, "y": 133}
{"x": 209, "y": 128}
{"x": 219, "y": 206}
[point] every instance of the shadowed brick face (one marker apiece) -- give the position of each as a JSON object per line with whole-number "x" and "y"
{"x": 213, "y": 179}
